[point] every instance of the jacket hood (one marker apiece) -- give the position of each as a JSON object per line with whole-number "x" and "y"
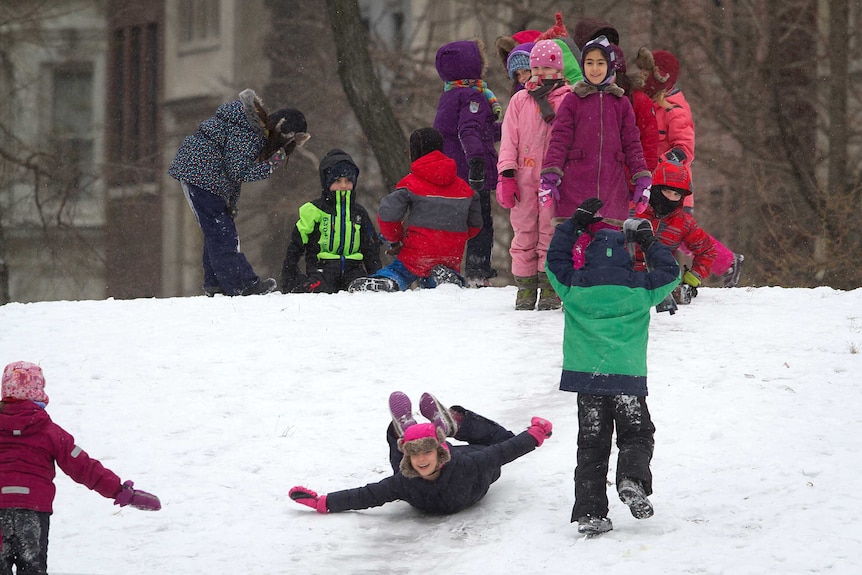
{"x": 336, "y": 163}
{"x": 461, "y": 60}
{"x": 608, "y": 249}
{"x": 22, "y": 418}
{"x": 435, "y": 167}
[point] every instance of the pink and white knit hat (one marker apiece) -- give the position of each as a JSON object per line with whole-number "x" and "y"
{"x": 24, "y": 381}
{"x": 547, "y": 53}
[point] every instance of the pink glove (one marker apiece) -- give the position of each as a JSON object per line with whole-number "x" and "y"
{"x": 642, "y": 193}
{"x": 508, "y": 194}
{"x": 309, "y": 498}
{"x": 540, "y": 429}
{"x": 278, "y": 159}
{"x": 549, "y": 188}
{"x": 137, "y": 498}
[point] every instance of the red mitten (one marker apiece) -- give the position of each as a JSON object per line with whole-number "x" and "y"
{"x": 540, "y": 429}
{"x": 309, "y": 498}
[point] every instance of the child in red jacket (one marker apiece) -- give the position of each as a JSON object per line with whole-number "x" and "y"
{"x": 676, "y": 228}
{"x": 427, "y": 221}
{"x": 30, "y": 444}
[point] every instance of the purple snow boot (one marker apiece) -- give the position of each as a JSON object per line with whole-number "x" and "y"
{"x": 402, "y": 412}
{"x": 431, "y": 408}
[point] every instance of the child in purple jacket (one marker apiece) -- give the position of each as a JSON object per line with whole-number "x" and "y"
{"x": 594, "y": 139}
{"x": 469, "y": 118}
{"x": 30, "y": 445}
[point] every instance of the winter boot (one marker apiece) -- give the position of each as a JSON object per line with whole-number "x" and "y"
{"x": 633, "y": 495}
{"x": 212, "y": 291}
{"x": 261, "y": 287}
{"x": 548, "y": 299}
{"x": 440, "y": 275}
{"x": 477, "y": 282}
{"x": 436, "y": 413}
{"x": 731, "y": 276}
{"x": 591, "y": 526}
{"x": 528, "y": 291}
{"x": 683, "y": 294}
{"x": 402, "y": 412}
{"x": 373, "y": 284}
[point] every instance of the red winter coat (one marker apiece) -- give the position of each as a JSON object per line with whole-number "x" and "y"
{"x": 442, "y": 212}
{"x": 593, "y": 141}
{"x": 679, "y": 228}
{"x": 30, "y": 443}
{"x": 645, "y": 118}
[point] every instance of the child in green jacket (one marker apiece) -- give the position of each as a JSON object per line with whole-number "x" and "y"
{"x": 607, "y": 314}
{"x": 334, "y": 232}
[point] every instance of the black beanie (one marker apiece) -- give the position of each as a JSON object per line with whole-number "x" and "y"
{"x": 424, "y": 141}
{"x": 294, "y": 120}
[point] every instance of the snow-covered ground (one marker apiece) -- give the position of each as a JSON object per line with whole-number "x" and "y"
{"x": 220, "y": 405}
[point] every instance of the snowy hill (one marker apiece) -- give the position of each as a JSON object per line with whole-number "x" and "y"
{"x": 220, "y": 405}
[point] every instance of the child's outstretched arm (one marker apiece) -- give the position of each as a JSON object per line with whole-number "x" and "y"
{"x": 137, "y": 498}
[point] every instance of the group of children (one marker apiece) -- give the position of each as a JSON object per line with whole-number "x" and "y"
{"x": 577, "y": 126}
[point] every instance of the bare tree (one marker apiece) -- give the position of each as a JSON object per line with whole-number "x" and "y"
{"x": 774, "y": 136}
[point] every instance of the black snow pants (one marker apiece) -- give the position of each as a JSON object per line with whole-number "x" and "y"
{"x": 597, "y": 416}
{"x": 25, "y": 541}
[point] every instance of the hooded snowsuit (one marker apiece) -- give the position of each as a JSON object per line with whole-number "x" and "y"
{"x": 468, "y": 118}
{"x": 522, "y": 148}
{"x": 336, "y": 234}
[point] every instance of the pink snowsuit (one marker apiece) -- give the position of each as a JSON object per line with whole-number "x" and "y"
{"x": 522, "y": 148}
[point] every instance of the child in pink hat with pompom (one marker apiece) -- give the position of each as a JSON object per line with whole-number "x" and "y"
{"x": 30, "y": 445}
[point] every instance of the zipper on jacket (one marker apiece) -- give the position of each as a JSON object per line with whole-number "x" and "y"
{"x": 601, "y": 141}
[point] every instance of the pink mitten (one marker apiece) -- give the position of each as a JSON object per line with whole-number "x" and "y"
{"x": 309, "y": 498}
{"x": 540, "y": 429}
{"x": 549, "y": 188}
{"x": 137, "y": 498}
{"x": 642, "y": 193}
{"x": 508, "y": 194}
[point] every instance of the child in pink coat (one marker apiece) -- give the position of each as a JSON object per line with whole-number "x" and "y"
{"x": 30, "y": 445}
{"x": 526, "y": 133}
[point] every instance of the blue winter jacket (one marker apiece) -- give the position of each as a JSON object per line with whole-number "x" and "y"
{"x": 607, "y": 310}
{"x": 223, "y": 152}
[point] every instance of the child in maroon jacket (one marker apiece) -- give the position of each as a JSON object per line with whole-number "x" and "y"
{"x": 30, "y": 444}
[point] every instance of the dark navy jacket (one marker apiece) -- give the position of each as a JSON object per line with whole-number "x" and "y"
{"x": 462, "y": 482}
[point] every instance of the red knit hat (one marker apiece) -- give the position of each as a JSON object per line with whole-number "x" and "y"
{"x": 663, "y": 68}
{"x": 24, "y": 381}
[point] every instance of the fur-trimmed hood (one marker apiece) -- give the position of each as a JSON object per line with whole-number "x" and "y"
{"x": 584, "y": 89}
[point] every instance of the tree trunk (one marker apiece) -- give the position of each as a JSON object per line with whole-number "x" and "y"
{"x": 364, "y": 93}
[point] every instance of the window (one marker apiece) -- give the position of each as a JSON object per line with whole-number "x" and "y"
{"x": 200, "y": 23}
{"x": 71, "y": 134}
{"x": 132, "y": 122}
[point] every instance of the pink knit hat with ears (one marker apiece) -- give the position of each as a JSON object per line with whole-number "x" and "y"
{"x": 24, "y": 381}
{"x": 420, "y": 438}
